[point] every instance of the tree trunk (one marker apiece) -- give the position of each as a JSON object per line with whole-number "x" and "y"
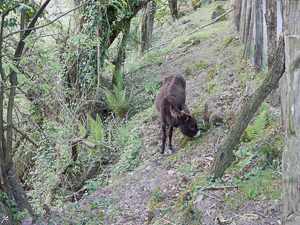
{"x": 146, "y": 27}
{"x": 238, "y": 12}
{"x": 271, "y": 22}
{"x": 224, "y": 156}
{"x": 291, "y": 154}
{"x": 289, "y": 90}
{"x": 290, "y": 17}
{"x": 11, "y": 188}
{"x": 258, "y": 49}
{"x": 117, "y": 76}
{"x": 143, "y": 40}
{"x": 79, "y": 20}
{"x": 249, "y": 29}
{"x": 243, "y": 20}
{"x": 150, "y": 18}
{"x": 173, "y": 9}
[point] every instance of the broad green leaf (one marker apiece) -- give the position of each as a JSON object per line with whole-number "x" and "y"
{"x": 23, "y": 79}
{"x": 7, "y": 68}
{"x": 13, "y": 67}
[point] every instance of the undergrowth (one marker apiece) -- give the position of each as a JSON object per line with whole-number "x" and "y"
{"x": 251, "y": 177}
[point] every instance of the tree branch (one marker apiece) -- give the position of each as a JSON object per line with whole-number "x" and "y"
{"x": 14, "y": 82}
{"x": 211, "y": 22}
{"x": 9, "y": 10}
{"x": 83, "y": 140}
{"x": 25, "y": 136}
{"x": 35, "y": 28}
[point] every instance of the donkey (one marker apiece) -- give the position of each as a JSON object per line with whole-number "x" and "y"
{"x": 170, "y": 103}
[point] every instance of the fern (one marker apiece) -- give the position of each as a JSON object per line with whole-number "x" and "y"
{"x": 258, "y": 125}
{"x": 96, "y": 129}
{"x": 81, "y": 128}
{"x": 241, "y": 165}
{"x": 117, "y": 101}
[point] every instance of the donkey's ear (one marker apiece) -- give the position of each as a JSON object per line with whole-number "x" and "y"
{"x": 186, "y": 118}
{"x": 175, "y": 112}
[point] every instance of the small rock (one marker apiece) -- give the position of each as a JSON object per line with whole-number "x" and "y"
{"x": 148, "y": 167}
{"x": 216, "y": 116}
{"x": 258, "y": 208}
{"x": 136, "y": 211}
{"x": 276, "y": 201}
{"x": 198, "y": 199}
{"x": 171, "y": 172}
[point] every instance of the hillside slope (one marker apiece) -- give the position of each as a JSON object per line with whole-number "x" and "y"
{"x": 175, "y": 189}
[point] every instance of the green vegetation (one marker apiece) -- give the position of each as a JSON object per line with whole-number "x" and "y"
{"x": 118, "y": 101}
{"x": 57, "y": 107}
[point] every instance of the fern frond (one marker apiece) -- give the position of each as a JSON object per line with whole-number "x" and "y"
{"x": 260, "y": 122}
{"x": 249, "y": 131}
{"x": 258, "y": 125}
{"x": 81, "y": 128}
{"x": 97, "y": 132}
{"x": 241, "y": 165}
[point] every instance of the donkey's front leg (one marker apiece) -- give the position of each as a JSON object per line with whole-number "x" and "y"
{"x": 164, "y": 137}
{"x": 170, "y": 139}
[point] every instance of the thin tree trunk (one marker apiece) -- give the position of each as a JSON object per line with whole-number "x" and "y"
{"x": 249, "y": 29}
{"x": 291, "y": 154}
{"x": 173, "y": 9}
{"x": 150, "y": 18}
{"x": 79, "y": 20}
{"x": 9, "y": 180}
{"x": 243, "y": 20}
{"x": 146, "y": 27}
{"x": 238, "y": 12}
{"x": 117, "y": 76}
{"x": 143, "y": 25}
{"x": 258, "y": 49}
{"x": 271, "y": 22}
{"x": 224, "y": 156}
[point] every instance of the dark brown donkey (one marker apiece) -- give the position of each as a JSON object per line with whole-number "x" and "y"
{"x": 170, "y": 102}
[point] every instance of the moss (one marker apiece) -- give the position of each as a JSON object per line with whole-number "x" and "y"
{"x": 219, "y": 10}
{"x": 150, "y": 215}
{"x": 211, "y": 74}
{"x": 211, "y": 87}
{"x": 226, "y": 43}
{"x": 158, "y": 205}
{"x": 160, "y": 220}
{"x": 194, "y": 183}
{"x": 201, "y": 64}
{"x": 188, "y": 71}
{"x": 191, "y": 40}
{"x": 201, "y": 3}
{"x": 151, "y": 212}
